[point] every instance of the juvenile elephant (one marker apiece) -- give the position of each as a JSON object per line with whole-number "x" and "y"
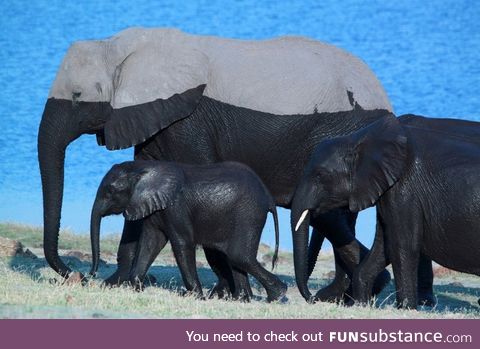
{"x": 221, "y": 206}
{"x": 422, "y": 175}
{"x": 200, "y": 100}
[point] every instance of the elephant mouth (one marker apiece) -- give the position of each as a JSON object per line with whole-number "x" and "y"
{"x": 301, "y": 219}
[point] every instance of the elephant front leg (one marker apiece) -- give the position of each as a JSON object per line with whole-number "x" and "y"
{"x": 339, "y": 228}
{"x": 132, "y": 231}
{"x": 338, "y": 288}
{"x": 152, "y": 241}
{"x": 185, "y": 256}
{"x": 365, "y": 274}
{"x": 330, "y": 223}
{"x": 403, "y": 250}
{"x": 426, "y": 296}
{"x": 405, "y": 270}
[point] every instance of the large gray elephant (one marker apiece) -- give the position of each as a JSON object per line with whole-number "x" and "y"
{"x": 203, "y": 99}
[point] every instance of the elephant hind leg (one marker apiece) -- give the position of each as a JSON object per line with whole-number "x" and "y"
{"x": 243, "y": 291}
{"x": 247, "y": 262}
{"x": 232, "y": 282}
{"x": 225, "y": 286}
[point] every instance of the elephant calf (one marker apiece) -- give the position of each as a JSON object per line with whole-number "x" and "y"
{"x": 422, "y": 174}
{"x": 222, "y": 207}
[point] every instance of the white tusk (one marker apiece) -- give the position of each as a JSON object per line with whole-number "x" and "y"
{"x": 300, "y": 221}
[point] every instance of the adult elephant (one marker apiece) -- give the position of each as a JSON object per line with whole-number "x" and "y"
{"x": 202, "y": 99}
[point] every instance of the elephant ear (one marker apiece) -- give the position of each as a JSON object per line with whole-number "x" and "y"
{"x": 154, "y": 86}
{"x": 378, "y": 161}
{"x": 156, "y": 190}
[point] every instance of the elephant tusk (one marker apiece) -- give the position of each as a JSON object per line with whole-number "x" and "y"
{"x": 300, "y": 221}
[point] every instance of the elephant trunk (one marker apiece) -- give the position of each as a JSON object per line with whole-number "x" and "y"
{"x": 300, "y": 221}
{"x": 95, "y": 222}
{"x": 56, "y": 131}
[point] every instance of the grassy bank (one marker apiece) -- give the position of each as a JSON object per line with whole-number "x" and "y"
{"x": 30, "y": 289}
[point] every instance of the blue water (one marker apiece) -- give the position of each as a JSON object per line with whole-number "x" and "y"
{"x": 425, "y": 53}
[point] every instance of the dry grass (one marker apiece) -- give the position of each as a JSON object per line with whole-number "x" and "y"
{"x": 28, "y": 290}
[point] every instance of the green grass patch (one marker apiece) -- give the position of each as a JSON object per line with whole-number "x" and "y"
{"x": 30, "y": 289}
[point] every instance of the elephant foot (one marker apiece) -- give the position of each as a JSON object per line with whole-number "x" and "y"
{"x": 197, "y": 294}
{"x": 277, "y": 293}
{"x": 426, "y": 298}
{"x": 139, "y": 285}
{"x": 242, "y": 296}
{"x": 335, "y": 292}
{"x": 382, "y": 280}
{"x": 243, "y": 293}
{"x": 219, "y": 291}
{"x": 115, "y": 280}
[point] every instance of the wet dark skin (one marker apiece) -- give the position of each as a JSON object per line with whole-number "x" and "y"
{"x": 276, "y": 147}
{"x": 416, "y": 170}
{"x": 222, "y": 207}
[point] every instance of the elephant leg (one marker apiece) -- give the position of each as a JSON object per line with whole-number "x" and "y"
{"x": 365, "y": 274}
{"x": 132, "y": 231}
{"x": 185, "y": 256}
{"x": 275, "y": 288}
{"x": 426, "y": 296}
{"x": 243, "y": 291}
{"x": 405, "y": 269}
{"x": 334, "y": 223}
{"x": 231, "y": 281}
{"x": 225, "y": 286}
{"x": 404, "y": 231}
{"x": 339, "y": 228}
{"x": 350, "y": 256}
{"x": 150, "y": 244}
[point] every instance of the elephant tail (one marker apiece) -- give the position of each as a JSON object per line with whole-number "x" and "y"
{"x": 273, "y": 210}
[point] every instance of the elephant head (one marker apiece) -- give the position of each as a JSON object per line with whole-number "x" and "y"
{"x": 137, "y": 189}
{"x": 123, "y": 89}
{"x": 351, "y": 171}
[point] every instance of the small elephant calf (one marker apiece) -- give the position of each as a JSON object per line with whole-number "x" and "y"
{"x": 222, "y": 207}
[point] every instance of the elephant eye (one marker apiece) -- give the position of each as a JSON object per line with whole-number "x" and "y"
{"x": 76, "y": 95}
{"x": 118, "y": 186}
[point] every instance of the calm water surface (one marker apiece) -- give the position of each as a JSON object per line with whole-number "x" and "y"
{"x": 425, "y": 53}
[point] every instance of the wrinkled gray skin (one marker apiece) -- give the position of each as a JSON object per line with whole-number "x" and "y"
{"x": 416, "y": 171}
{"x": 200, "y": 99}
{"x": 222, "y": 207}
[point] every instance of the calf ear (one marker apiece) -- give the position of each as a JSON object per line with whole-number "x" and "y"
{"x": 379, "y": 157}
{"x": 156, "y": 190}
